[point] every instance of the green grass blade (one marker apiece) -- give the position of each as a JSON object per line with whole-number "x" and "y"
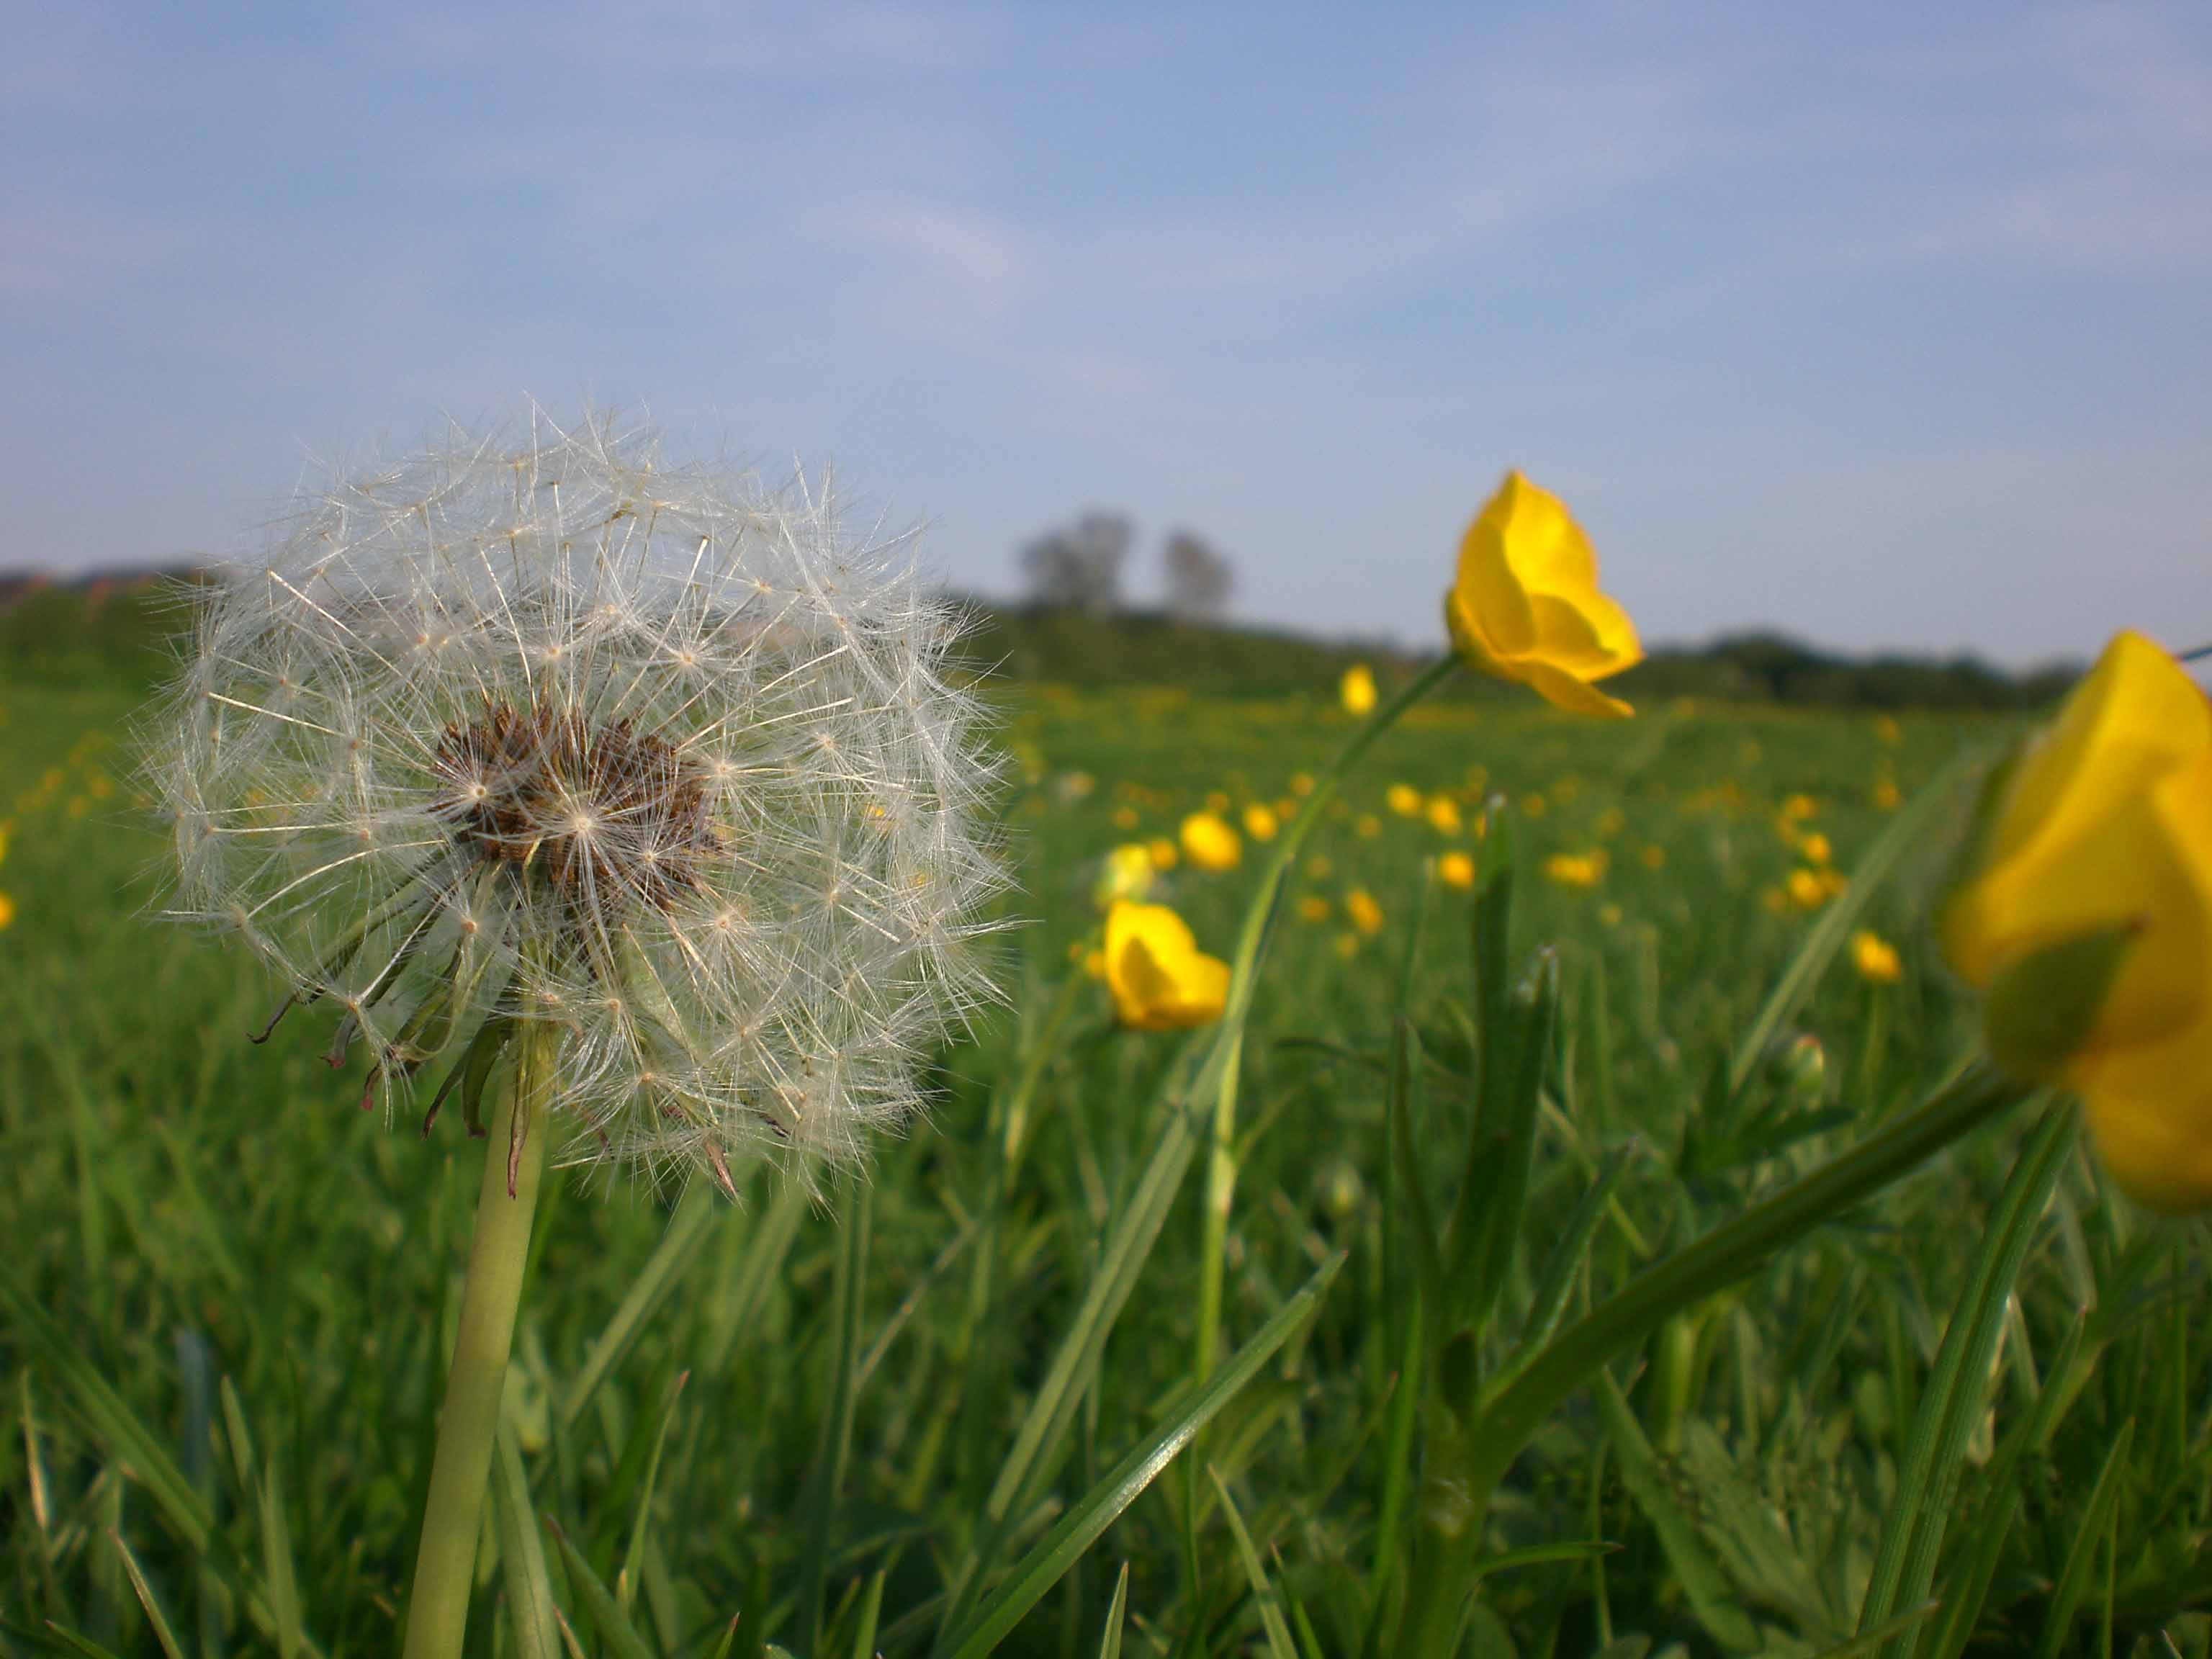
{"x": 633, "y": 1556}
{"x": 1090, "y": 1516}
{"x": 1277, "y": 1632}
{"x": 155, "y": 1617}
{"x": 688, "y": 1230}
{"x": 2097, "y": 1519}
{"x": 1117, "y": 1611}
{"x": 63, "y": 1639}
{"x": 1917, "y": 820}
{"x": 620, "y": 1635}
{"x": 833, "y": 1447}
{"x": 871, "y": 1610}
{"x": 1912, "y": 1535}
{"x": 529, "y": 1587}
{"x": 281, "y": 1575}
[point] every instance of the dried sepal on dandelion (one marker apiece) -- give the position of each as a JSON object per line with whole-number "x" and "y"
{"x": 652, "y": 756}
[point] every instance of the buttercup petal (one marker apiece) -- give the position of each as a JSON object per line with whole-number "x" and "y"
{"x": 1562, "y": 690}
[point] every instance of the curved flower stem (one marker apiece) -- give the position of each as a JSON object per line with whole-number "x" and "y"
{"x": 1455, "y": 1496}
{"x": 445, "y": 1562}
{"x": 1251, "y": 939}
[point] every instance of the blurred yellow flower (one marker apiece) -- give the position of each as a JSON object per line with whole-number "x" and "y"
{"x": 1443, "y": 815}
{"x": 1301, "y": 783}
{"x": 1886, "y": 795}
{"x": 1367, "y": 826}
{"x": 1165, "y": 856}
{"x": 1261, "y": 821}
{"x": 1125, "y": 873}
{"x": 1886, "y": 730}
{"x": 1654, "y": 857}
{"x": 1609, "y": 913}
{"x": 1799, "y": 806}
{"x": 1524, "y": 604}
{"x": 1773, "y": 900}
{"x": 1806, "y": 889}
{"x": 1313, "y": 908}
{"x": 1217, "y": 801}
{"x": 1403, "y": 799}
{"x": 1209, "y": 843}
{"x": 1125, "y": 818}
{"x": 1362, "y": 912}
{"x": 1575, "y": 869}
{"x": 2084, "y": 914}
{"x": 1875, "y": 959}
{"x": 1534, "y": 806}
{"x": 1161, "y": 980}
{"x": 1347, "y": 945}
{"x": 7, "y": 912}
{"x": 1320, "y": 867}
{"x": 1357, "y": 690}
{"x": 1813, "y": 848}
{"x": 1457, "y": 870}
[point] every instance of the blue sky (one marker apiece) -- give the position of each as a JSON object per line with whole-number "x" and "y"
{"x": 1888, "y": 325}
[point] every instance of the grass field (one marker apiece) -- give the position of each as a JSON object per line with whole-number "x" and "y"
{"x": 228, "y": 1291}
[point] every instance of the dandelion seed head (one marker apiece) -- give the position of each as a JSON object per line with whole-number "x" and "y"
{"x": 551, "y": 730}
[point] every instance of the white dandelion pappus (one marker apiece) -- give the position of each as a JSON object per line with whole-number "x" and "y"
{"x": 557, "y": 733}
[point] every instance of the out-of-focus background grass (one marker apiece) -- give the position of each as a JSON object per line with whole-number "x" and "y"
{"x": 246, "y": 1282}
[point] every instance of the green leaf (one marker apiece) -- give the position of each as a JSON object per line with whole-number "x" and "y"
{"x": 1912, "y": 1535}
{"x": 688, "y": 1230}
{"x": 833, "y": 1446}
{"x": 529, "y": 1587}
{"x": 2092, "y": 1531}
{"x": 1256, "y": 1573}
{"x": 1486, "y": 1229}
{"x": 1110, "y": 1639}
{"x": 633, "y": 1557}
{"x": 1712, "y": 1599}
{"x": 276, "y": 1557}
{"x": 144, "y": 1591}
{"x": 872, "y": 1607}
{"x": 605, "y": 1613}
{"x": 2040, "y": 1008}
{"x": 1041, "y": 1568}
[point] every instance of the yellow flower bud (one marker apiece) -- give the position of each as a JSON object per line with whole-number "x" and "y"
{"x": 1875, "y": 959}
{"x": 1457, "y": 870}
{"x": 2084, "y": 911}
{"x": 1403, "y": 799}
{"x": 1525, "y": 604}
{"x": 1261, "y": 821}
{"x": 1442, "y": 813}
{"x": 1160, "y": 980}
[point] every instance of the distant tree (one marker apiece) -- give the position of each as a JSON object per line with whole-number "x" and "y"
{"x": 1078, "y": 567}
{"x": 1199, "y": 580}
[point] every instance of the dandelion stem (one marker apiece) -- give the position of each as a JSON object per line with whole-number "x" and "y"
{"x": 514, "y": 1156}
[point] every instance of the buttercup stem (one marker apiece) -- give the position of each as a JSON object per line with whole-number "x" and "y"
{"x": 1456, "y": 1497}
{"x": 1221, "y": 1164}
{"x": 445, "y": 1562}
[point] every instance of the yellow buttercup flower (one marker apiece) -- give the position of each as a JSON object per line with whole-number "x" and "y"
{"x": 7, "y": 912}
{"x": 1161, "y": 980}
{"x": 1164, "y": 855}
{"x": 2084, "y": 914}
{"x": 1806, "y": 889}
{"x": 1885, "y": 795}
{"x": 1357, "y": 690}
{"x": 1442, "y": 813}
{"x": 1313, "y": 908}
{"x": 1209, "y": 843}
{"x": 1875, "y": 959}
{"x": 1457, "y": 870}
{"x": 1815, "y": 849}
{"x": 1261, "y": 821}
{"x": 1367, "y": 826}
{"x": 1403, "y": 799}
{"x": 1126, "y": 873}
{"x": 1525, "y": 604}
{"x": 1576, "y": 869}
{"x": 1362, "y": 912}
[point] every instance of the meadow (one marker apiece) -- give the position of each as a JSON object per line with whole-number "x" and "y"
{"x": 887, "y": 1418}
